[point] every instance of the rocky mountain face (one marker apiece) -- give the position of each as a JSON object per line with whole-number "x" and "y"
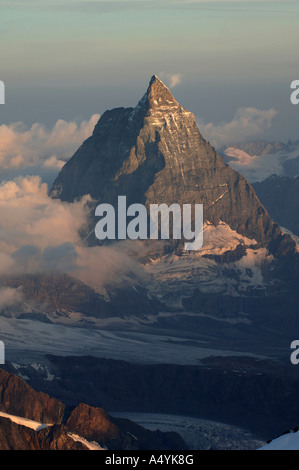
{"x": 17, "y": 437}
{"x": 154, "y": 153}
{"x": 95, "y": 424}
{"x": 19, "y": 400}
{"x": 280, "y": 195}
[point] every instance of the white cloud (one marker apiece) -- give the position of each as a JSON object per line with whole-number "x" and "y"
{"x": 21, "y": 147}
{"x": 172, "y": 80}
{"x": 41, "y": 234}
{"x": 248, "y": 123}
{"x": 175, "y": 80}
{"x": 10, "y": 296}
{"x": 30, "y": 217}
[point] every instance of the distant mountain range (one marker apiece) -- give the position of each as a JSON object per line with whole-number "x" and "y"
{"x": 257, "y": 164}
{"x": 273, "y": 170}
{"x": 263, "y": 147}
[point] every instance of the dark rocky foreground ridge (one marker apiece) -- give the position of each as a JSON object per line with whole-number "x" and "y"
{"x": 90, "y": 423}
{"x": 258, "y": 395}
{"x": 154, "y": 153}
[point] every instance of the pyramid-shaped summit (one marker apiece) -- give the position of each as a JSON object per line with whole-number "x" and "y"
{"x": 158, "y": 95}
{"x": 153, "y": 154}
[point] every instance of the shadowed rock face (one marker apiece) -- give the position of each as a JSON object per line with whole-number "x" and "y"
{"x": 154, "y": 153}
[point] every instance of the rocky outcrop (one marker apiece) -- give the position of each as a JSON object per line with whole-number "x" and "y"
{"x": 154, "y": 153}
{"x": 17, "y": 437}
{"x": 18, "y": 398}
{"x": 95, "y": 424}
{"x": 89, "y": 423}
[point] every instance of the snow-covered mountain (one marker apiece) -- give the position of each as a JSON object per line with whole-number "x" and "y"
{"x": 287, "y": 441}
{"x": 234, "y": 303}
{"x": 153, "y": 154}
{"x": 273, "y": 170}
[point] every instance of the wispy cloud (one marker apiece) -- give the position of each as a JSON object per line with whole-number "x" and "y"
{"x": 175, "y": 80}
{"x": 171, "y": 79}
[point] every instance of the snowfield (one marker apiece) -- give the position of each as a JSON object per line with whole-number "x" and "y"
{"x": 89, "y": 445}
{"x": 289, "y": 441}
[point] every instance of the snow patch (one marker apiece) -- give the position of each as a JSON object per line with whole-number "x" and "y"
{"x": 28, "y": 423}
{"x": 89, "y": 445}
{"x": 221, "y": 238}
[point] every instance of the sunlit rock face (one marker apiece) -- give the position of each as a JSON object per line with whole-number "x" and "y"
{"x": 154, "y": 153}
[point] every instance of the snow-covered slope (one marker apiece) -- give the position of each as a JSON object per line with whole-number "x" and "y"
{"x": 288, "y": 441}
{"x": 173, "y": 277}
{"x": 89, "y": 445}
{"x": 28, "y": 423}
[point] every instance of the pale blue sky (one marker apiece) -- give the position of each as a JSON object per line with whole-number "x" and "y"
{"x": 71, "y": 58}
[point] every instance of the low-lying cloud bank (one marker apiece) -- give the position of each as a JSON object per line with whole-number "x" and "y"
{"x": 40, "y": 234}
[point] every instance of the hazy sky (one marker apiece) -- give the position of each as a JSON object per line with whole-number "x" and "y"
{"x": 70, "y": 59}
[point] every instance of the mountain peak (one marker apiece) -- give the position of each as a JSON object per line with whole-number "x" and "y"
{"x": 155, "y": 80}
{"x": 157, "y": 95}
{"x": 154, "y": 153}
